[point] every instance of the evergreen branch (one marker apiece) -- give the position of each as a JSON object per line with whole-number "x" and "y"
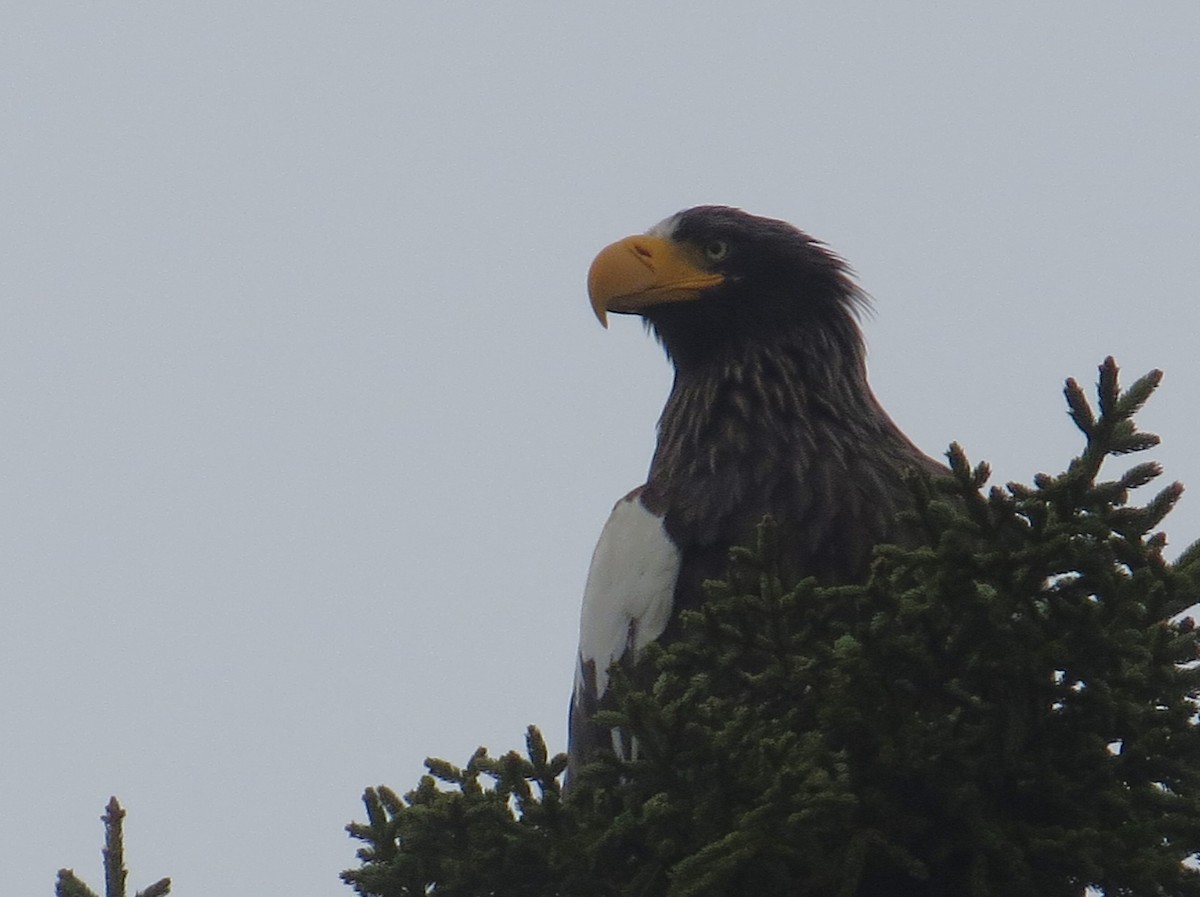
{"x": 160, "y": 888}
{"x": 1189, "y": 562}
{"x": 446, "y": 772}
{"x": 115, "y": 873}
{"x": 1140, "y": 475}
{"x": 1107, "y": 390}
{"x": 114, "y": 850}
{"x": 1078, "y": 408}
{"x": 1135, "y": 397}
{"x": 68, "y": 885}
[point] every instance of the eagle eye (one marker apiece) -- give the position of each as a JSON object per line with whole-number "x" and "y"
{"x": 716, "y": 250}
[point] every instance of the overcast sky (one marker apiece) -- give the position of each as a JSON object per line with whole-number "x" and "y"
{"x": 307, "y": 430}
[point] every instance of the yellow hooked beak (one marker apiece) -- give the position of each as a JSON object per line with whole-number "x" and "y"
{"x": 643, "y": 271}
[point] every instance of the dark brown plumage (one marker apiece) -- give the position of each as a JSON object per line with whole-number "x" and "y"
{"x": 770, "y": 413}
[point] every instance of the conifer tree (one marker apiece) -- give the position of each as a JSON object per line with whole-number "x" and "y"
{"x": 1008, "y": 708}
{"x": 115, "y": 873}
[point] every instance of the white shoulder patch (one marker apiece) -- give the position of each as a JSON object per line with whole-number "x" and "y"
{"x": 630, "y": 588}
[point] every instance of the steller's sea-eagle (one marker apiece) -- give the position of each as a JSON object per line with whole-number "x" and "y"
{"x": 770, "y": 413}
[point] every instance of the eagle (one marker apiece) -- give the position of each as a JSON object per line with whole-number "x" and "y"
{"x": 770, "y": 413}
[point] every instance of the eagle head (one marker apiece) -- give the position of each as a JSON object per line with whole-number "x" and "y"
{"x": 711, "y": 278}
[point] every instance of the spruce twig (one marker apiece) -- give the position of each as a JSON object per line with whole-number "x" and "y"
{"x": 115, "y": 873}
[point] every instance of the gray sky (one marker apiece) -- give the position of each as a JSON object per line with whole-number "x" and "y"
{"x": 308, "y": 430}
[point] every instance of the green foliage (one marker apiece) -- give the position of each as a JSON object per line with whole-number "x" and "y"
{"x": 473, "y": 839}
{"x": 68, "y": 885}
{"x": 1007, "y": 708}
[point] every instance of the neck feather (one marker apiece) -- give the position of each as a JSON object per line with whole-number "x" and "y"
{"x": 788, "y": 427}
